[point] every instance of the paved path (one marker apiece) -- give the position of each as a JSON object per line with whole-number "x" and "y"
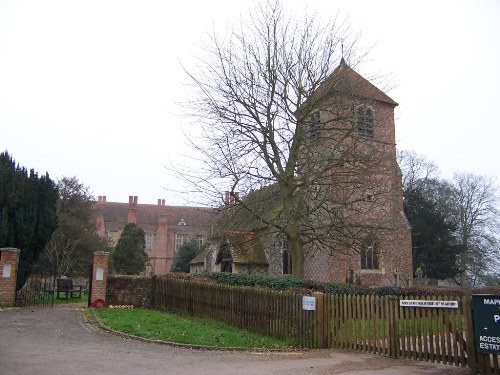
{"x": 57, "y": 341}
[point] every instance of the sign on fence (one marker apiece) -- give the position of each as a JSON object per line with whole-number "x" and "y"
{"x": 422, "y": 303}
{"x": 486, "y": 312}
{"x": 309, "y": 303}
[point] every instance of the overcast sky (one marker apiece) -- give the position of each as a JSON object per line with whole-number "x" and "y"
{"x": 90, "y": 88}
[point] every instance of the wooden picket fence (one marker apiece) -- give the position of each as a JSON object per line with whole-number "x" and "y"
{"x": 268, "y": 312}
{"x": 366, "y": 323}
{"x": 380, "y": 325}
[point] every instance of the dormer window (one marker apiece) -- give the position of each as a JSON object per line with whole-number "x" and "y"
{"x": 365, "y": 121}
{"x": 314, "y": 125}
{"x": 182, "y": 222}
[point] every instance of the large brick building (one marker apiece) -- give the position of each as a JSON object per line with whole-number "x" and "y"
{"x": 166, "y": 227}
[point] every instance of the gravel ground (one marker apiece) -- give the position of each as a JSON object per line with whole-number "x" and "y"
{"x": 58, "y": 341}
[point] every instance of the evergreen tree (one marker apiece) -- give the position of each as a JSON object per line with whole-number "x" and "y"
{"x": 27, "y": 209}
{"x": 187, "y": 252}
{"x": 435, "y": 251}
{"x": 129, "y": 257}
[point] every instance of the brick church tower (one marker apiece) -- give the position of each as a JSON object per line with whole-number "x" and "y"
{"x": 353, "y": 119}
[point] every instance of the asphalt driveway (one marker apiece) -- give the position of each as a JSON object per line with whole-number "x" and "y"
{"x": 58, "y": 341}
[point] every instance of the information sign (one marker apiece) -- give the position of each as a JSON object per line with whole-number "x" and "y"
{"x": 486, "y": 313}
{"x": 422, "y": 303}
{"x": 308, "y": 303}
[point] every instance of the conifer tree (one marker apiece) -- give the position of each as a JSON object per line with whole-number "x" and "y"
{"x": 129, "y": 257}
{"x": 187, "y": 252}
{"x": 27, "y": 209}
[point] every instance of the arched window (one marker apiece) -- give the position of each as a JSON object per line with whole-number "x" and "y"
{"x": 370, "y": 254}
{"x": 287, "y": 259}
{"x": 365, "y": 119}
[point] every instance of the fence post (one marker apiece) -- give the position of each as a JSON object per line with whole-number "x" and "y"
{"x": 469, "y": 334}
{"x": 320, "y": 319}
{"x": 9, "y": 260}
{"x": 393, "y": 327}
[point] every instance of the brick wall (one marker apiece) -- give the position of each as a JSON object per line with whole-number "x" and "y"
{"x": 9, "y": 259}
{"x": 129, "y": 290}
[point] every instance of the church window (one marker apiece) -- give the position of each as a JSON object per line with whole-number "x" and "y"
{"x": 314, "y": 125}
{"x": 365, "y": 121}
{"x": 370, "y": 254}
{"x": 287, "y": 259}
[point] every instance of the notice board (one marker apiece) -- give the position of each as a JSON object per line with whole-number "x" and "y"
{"x": 486, "y": 313}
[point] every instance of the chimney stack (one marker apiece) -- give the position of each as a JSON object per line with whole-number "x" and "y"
{"x": 159, "y": 202}
{"x": 132, "y": 209}
{"x": 104, "y": 199}
{"x": 99, "y": 198}
{"x": 163, "y": 202}
{"x": 226, "y": 198}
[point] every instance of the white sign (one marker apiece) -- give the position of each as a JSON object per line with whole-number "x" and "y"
{"x": 421, "y": 303}
{"x": 309, "y": 303}
{"x": 6, "y": 270}
{"x": 99, "y": 274}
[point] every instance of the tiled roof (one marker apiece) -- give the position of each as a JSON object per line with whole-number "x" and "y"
{"x": 200, "y": 258}
{"x": 265, "y": 202}
{"x": 245, "y": 247}
{"x": 346, "y": 80}
{"x": 116, "y": 214}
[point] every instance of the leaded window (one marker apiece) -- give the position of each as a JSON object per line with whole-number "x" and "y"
{"x": 365, "y": 119}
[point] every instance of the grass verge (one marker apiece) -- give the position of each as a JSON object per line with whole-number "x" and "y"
{"x": 184, "y": 330}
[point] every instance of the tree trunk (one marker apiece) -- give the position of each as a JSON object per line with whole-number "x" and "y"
{"x": 463, "y": 267}
{"x": 297, "y": 258}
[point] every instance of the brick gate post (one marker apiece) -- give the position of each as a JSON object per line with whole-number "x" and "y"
{"x": 9, "y": 260}
{"x": 99, "y": 275}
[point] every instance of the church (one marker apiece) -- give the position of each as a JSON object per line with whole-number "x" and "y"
{"x": 356, "y": 120}
{"x": 371, "y": 245}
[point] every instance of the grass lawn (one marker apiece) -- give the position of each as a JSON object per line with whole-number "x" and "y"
{"x": 185, "y": 330}
{"x": 60, "y": 301}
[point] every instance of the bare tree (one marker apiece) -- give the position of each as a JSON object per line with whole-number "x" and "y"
{"x": 475, "y": 200}
{"x": 416, "y": 168}
{"x": 62, "y": 253}
{"x": 280, "y": 129}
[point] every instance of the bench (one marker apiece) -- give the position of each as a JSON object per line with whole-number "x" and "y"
{"x": 69, "y": 290}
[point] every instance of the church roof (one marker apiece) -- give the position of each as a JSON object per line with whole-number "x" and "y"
{"x": 245, "y": 248}
{"x": 264, "y": 202}
{"x": 346, "y": 80}
{"x": 200, "y": 258}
